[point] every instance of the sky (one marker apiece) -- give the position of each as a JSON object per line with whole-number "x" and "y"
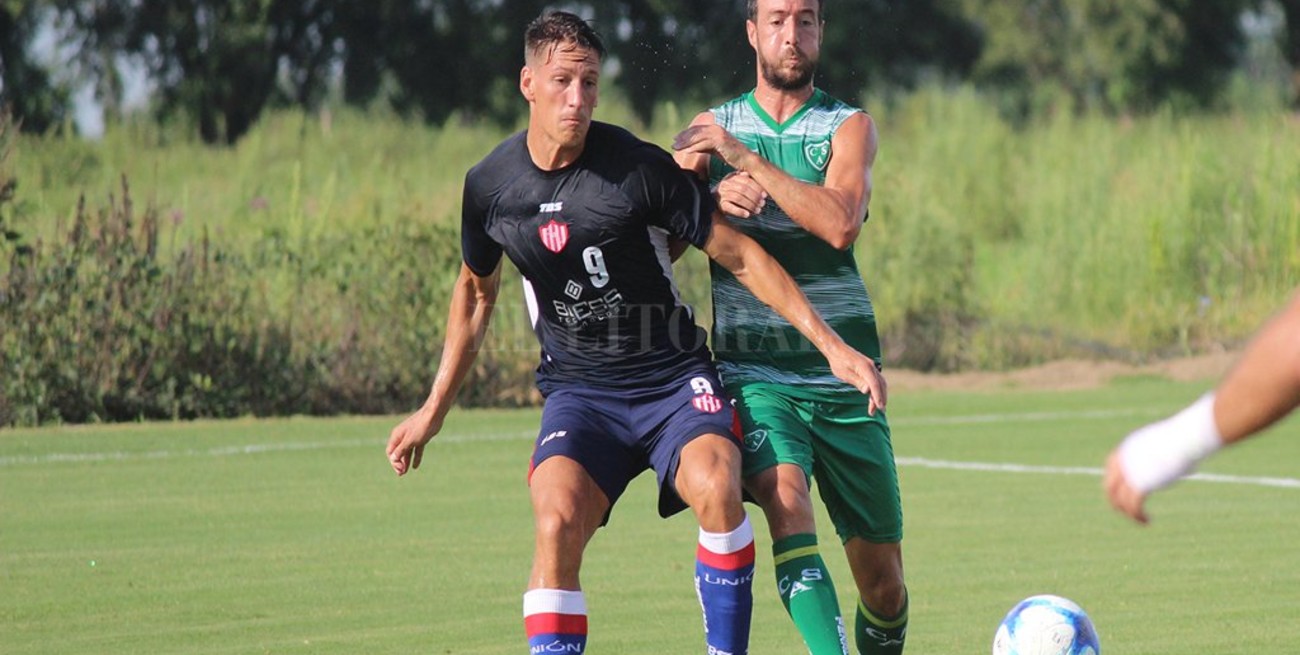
{"x": 88, "y": 111}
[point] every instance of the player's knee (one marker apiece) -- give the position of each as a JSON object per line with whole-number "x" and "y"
{"x": 762, "y": 486}
{"x": 709, "y": 466}
{"x": 708, "y": 486}
{"x": 885, "y": 593}
{"x": 561, "y": 522}
{"x": 792, "y": 494}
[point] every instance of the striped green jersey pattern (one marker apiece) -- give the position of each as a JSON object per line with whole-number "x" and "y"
{"x": 752, "y": 342}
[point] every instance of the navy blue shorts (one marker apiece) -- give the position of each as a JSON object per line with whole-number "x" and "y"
{"x": 615, "y": 435}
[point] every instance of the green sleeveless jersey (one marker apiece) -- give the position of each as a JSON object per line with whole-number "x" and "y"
{"x": 752, "y": 343}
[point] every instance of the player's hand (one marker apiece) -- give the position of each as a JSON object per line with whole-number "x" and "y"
{"x": 712, "y": 140}
{"x": 740, "y": 195}
{"x": 860, "y": 371}
{"x": 406, "y": 442}
{"x": 1122, "y": 496}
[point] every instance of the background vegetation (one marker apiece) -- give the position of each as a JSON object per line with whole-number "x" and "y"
{"x": 219, "y": 64}
{"x": 306, "y": 270}
{"x": 275, "y": 230}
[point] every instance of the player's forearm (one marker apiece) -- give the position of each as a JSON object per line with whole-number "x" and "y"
{"x": 772, "y": 285}
{"x": 825, "y": 212}
{"x": 1264, "y": 386}
{"x": 467, "y": 323}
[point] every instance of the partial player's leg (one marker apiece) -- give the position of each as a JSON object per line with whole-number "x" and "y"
{"x": 858, "y": 482}
{"x": 577, "y": 473}
{"x": 777, "y": 462}
{"x": 696, "y": 457}
{"x": 708, "y": 480}
{"x": 568, "y": 507}
{"x": 880, "y": 627}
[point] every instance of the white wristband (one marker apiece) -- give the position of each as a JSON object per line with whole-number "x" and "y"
{"x": 1153, "y": 457}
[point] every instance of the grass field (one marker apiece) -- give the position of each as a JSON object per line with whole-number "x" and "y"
{"x": 293, "y": 536}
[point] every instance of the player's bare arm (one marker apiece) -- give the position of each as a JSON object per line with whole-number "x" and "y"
{"x": 833, "y": 212}
{"x": 1264, "y": 386}
{"x": 738, "y": 194}
{"x": 694, "y": 160}
{"x": 472, "y": 301}
{"x": 1261, "y": 389}
{"x": 765, "y": 278}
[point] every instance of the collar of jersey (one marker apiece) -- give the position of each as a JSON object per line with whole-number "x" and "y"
{"x": 780, "y": 127}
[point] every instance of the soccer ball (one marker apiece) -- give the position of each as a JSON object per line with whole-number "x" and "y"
{"x": 1046, "y": 625}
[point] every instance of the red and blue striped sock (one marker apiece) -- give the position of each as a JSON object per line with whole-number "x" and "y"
{"x": 724, "y": 581}
{"x": 555, "y": 621}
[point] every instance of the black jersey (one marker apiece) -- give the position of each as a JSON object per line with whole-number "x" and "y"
{"x": 591, "y": 240}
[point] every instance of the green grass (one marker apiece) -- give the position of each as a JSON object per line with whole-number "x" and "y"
{"x": 293, "y": 536}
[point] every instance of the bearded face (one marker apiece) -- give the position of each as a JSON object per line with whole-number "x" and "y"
{"x": 786, "y": 36}
{"x": 790, "y": 71}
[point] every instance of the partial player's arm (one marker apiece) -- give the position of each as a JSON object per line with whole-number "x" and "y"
{"x": 472, "y": 301}
{"x": 835, "y": 211}
{"x": 737, "y": 194}
{"x": 1263, "y": 387}
{"x": 765, "y": 278}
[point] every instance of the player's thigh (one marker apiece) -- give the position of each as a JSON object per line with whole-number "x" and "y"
{"x": 585, "y": 436}
{"x": 774, "y": 429}
{"x": 856, "y": 476}
{"x": 568, "y": 505}
{"x": 690, "y": 442}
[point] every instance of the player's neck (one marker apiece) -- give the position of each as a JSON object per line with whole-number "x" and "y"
{"x": 781, "y": 104}
{"x": 549, "y": 155}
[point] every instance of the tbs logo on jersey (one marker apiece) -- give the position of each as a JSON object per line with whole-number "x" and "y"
{"x": 704, "y": 399}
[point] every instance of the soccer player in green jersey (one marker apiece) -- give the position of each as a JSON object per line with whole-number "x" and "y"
{"x": 792, "y": 166}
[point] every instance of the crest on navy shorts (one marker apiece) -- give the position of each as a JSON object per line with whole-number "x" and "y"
{"x": 554, "y": 235}
{"x": 707, "y": 403}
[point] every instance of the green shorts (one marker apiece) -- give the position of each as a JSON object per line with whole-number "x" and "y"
{"x": 836, "y": 443}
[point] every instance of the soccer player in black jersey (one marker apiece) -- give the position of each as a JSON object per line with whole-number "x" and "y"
{"x": 585, "y": 211}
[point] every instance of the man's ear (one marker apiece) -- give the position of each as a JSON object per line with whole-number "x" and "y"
{"x": 526, "y": 83}
{"x": 751, "y": 32}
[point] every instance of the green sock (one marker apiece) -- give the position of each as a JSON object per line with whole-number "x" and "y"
{"x": 880, "y": 636}
{"x": 809, "y": 595}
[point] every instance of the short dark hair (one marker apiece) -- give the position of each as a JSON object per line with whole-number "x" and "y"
{"x": 556, "y": 27}
{"x": 751, "y": 9}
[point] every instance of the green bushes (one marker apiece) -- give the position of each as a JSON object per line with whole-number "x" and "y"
{"x": 102, "y": 324}
{"x": 992, "y": 247}
{"x": 307, "y": 270}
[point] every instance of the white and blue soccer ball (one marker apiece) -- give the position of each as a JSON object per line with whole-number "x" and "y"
{"x": 1046, "y": 625}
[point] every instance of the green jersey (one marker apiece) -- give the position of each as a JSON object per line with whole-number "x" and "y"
{"x": 751, "y": 342}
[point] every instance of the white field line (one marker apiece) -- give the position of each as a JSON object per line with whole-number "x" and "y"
{"x": 1026, "y": 417}
{"x": 250, "y": 449}
{"x": 920, "y": 462}
{"x": 996, "y": 467}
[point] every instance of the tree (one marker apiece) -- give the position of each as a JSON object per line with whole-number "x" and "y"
{"x": 1290, "y": 44}
{"x": 435, "y": 58}
{"x": 37, "y": 101}
{"x": 1115, "y": 55}
{"x": 698, "y": 51}
{"x": 219, "y": 61}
